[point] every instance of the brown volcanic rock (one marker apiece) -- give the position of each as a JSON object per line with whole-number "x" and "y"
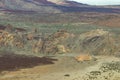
{"x": 95, "y": 42}
{"x": 53, "y": 43}
{"x": 11, "y": 36}
{"x": 98, "y": 42}
{"x": 8, "y": 39}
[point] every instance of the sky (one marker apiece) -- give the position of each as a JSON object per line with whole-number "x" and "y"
{"x": 99, "y": 2}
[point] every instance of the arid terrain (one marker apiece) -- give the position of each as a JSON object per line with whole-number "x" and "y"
{"x": 66, "y": 68}
{"x": 59, "y": 54}
{"x": 58, "y": 40}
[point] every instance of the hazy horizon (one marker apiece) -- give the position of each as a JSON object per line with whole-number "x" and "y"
{"x": 99, "y": 2}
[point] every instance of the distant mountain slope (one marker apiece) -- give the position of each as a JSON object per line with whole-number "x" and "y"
{"x": 36, "y": 4}
{"x": 27, "y": 5}
{"x": 112, "y": 6}
{"x": 67, "y": 3}
{"x": 53, "y": 6}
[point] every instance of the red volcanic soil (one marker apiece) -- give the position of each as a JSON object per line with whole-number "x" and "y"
{"x": 112, "y": 22}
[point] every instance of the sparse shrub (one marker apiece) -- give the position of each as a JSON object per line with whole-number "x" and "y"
{"x": 113, "y": 66}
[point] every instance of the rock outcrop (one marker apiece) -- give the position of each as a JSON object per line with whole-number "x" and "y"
{"x": 53, "y": 43}
{"x": 95, "y": 42}
{"x": 98, "y": 42}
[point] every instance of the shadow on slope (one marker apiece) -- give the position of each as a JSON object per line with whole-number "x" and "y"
{"x": 11, "y": 61}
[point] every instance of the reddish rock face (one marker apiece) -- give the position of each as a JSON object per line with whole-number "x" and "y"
{"x": 57, "y": 1}
{"x": 44, "y": 1}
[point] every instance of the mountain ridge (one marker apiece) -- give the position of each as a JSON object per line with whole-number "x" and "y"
{"x": 52, "y": 6}
{"x": 43, "y": 6}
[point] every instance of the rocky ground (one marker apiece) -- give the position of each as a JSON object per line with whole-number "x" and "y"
{"x": 65, "y": 68}
{"x": 61, "y": 55}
